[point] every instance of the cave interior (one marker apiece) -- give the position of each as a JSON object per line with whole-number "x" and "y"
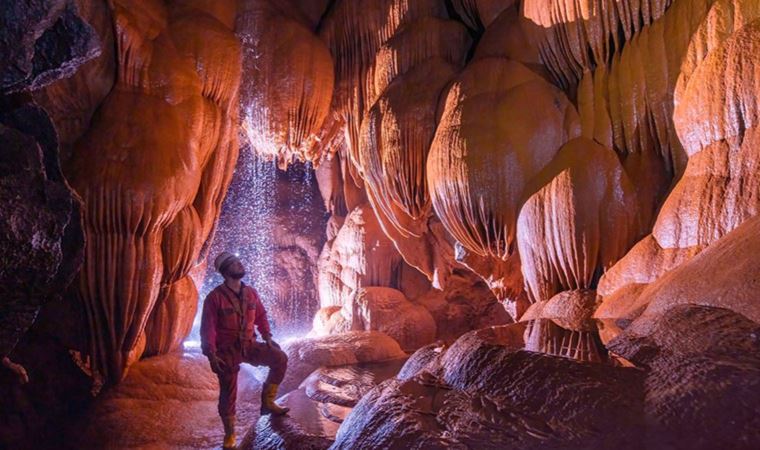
{"x": 473, "y": 224}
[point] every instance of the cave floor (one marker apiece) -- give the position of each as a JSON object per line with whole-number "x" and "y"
{"x": 169, "y": 402}
{"x": 166, "y": 402}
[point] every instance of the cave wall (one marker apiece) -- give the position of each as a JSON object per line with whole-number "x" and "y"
{"x": 57, "y": 66}
{"x": 123, "y": 208}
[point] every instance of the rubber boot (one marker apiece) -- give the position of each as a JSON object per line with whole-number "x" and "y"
{"x": 268, "y": 406}
{"x": 229, "y": 432}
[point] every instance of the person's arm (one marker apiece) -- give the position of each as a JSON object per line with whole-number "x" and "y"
{"x": 208, "y": 326}
{"x": 208, "y": 333}
{"x": 261, "y": 321}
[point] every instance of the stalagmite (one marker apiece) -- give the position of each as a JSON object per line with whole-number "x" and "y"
{"x": 360, "y": 255}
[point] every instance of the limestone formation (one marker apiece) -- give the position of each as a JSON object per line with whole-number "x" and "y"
{"x": 381, "y": 309}
{"x": 479, "y": 14}
{"x": 360, "y": 255}
{"x": 291, "y": 82}
{"x": 718, "y": 189}
{"x": 354, "y": 31}
{"x": 484, "y": 393}
{"x": 168, "y": 159}
{"x": 410, "y": 72}
{"x": 480, "y": 165}
{"x": 307, "y": 354}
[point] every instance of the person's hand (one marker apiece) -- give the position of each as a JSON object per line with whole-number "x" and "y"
{"x": 18, "y": 369}
{"x": 271, "y": 343}
{"x": 217, "y": 365}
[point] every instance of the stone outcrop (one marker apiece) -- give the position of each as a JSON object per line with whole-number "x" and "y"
{"x": 307, "y": 354}
{"x": 483, "y": 392}
{"x": 702, "y": 362}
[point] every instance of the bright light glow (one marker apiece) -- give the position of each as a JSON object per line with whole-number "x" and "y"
{"x": 190, "y": 344}
{"x": 248, "y": 218}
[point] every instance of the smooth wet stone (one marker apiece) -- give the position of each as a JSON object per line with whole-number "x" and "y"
{"x": 304, "y": 428}
{"x": 166, "y": 402}
{"x": 346, "y": 385}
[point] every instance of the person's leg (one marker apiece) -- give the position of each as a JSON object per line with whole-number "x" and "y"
{"x": 227, "y": 393}
{"x": 227, "y": 404}
{"x": 260, "y": 354}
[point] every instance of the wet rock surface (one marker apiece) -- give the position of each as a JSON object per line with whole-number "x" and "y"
{"x": 483, "y": 392}
{"x": 40, "y": 235}
{"x": 702, "y": 363}
{"x": 319, "y": 406}
{"x": 346, "y": 385}
{"x": 42, "y": 41}
{"x": 304, "y": 428}
{"x": 308, "y": 354}
{"x": 693, "y": 364}
{"x": 165, "y": 402}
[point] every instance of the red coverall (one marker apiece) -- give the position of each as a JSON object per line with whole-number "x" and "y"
{"x": 231, "y": 337}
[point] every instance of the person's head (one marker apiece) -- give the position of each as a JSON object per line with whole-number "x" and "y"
{"x": 229, "y": 266}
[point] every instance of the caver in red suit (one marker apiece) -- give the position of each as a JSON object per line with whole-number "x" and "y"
{"x": 230, "y": 312}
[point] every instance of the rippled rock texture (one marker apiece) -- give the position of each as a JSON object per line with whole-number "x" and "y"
{"x": 307, "y": 354}
{"x": 701, "y": 363}
{"x": 319, "y": 406}
{"x": 691, "y": 365}
{"x": 485, "y": 392}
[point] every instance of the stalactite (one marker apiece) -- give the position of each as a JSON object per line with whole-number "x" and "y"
{"x": 581, "y": 34}
{"x": 479, "y": 14}
{"x": 547, "y": 337}
{"x": 354, "y": 31}
{"x": 622, "y": 65}
{"x": 480, "y": 164}
{"x": 291, "y": 84}
{"x": 410, "y": 72}
{"x": 579, "y": 220}
{"x": 413, "y": 44}
{"x": 173, "y": 314}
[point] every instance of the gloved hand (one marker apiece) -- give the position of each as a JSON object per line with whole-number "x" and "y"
{"x": 217, "y": 365}
{"x": 271, "y": 343}
{"x": 18, "y": 369}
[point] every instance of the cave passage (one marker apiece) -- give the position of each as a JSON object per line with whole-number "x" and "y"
{"x": 472, "y": 224}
